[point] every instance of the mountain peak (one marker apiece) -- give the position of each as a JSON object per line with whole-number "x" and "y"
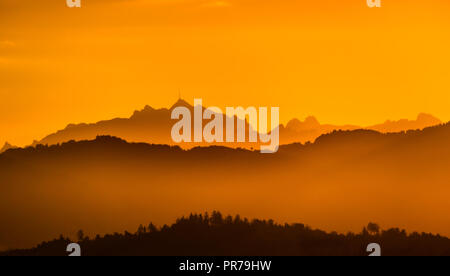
{"x": 312, "y": 121}
{"x": 147, "y": 110}
{"x": 181, "y": 103}
{"x": 6, "y": 147}
{"x": 309, "y": 123}
{"x": 428, "y": 119}
{"x": 423, "y": 121}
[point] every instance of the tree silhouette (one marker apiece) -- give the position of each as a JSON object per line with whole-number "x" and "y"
{"x": 373, "y": 228}
{"x": 80, "y": 235}
{"x": 152, "y": 228}
{"x": 202, "y": 235}
{"x": 141, "y": 230}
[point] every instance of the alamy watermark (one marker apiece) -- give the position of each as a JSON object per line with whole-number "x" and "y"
{"x": 374, "y": 3}
{"x": 73, "y": 3}
{"x": 77, "y": 3}
{"x": 74, "y": 249}
{"x": 374, "y": 249}
{"x": 213, "y": 131}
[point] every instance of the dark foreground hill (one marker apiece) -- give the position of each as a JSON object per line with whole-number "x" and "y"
{"x": 204, "y": 235}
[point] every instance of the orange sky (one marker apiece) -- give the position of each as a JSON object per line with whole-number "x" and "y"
{"x": 337, "y": 60}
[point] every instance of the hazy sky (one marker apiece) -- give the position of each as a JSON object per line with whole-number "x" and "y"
{"x": 337, "y": 60}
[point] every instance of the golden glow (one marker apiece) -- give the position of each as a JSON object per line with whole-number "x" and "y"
{"x": 337, "y": 60}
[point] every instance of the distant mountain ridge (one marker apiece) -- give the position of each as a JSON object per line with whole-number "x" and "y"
{"x": 422, "y": 121}
{"x": 153, "y": 126}
{"x": 148, "y": 125}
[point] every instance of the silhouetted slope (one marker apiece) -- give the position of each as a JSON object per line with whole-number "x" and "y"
{"x": 309, "y": 130}
{"x": 339, "y": 183}
{"x": 422, "y": 121}
{"x": 205, "y": 235}
{"x": 6, "y": 147}
{"x": 154, "y": 126}
{"x": 148, "y": 125}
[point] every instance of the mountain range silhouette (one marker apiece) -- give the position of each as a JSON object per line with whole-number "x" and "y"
{"x": 6, "y": 147}
{"x": 153, "y": 126}
{"x": 338, "y": 183}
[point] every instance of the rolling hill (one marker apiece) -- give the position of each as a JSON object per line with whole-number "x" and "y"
{"x": 338, "y": 183}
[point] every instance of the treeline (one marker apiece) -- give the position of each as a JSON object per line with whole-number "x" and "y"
{"x": 215, "y": 235}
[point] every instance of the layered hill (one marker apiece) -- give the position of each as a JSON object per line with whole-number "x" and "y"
{"x": 342, "y": 181}
{"x": 154, "y": 126}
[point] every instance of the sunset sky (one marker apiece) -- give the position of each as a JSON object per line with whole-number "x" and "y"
{"x": 337, "y": 60}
